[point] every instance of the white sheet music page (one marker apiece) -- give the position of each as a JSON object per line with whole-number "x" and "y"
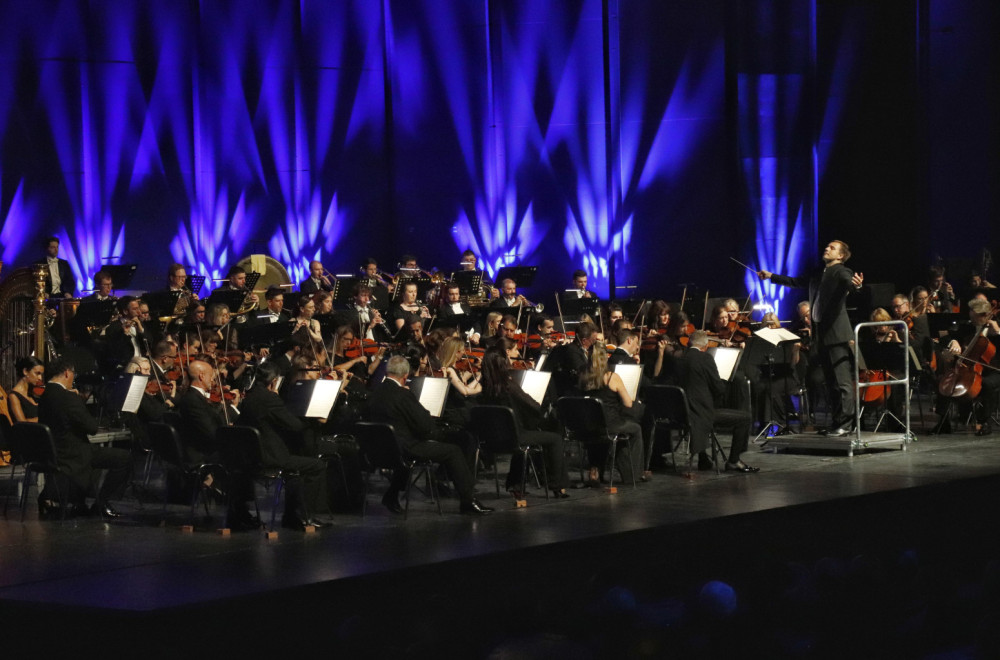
{"x": 135, "y": 391}
{"x": 433, "y": 394}
{"x": 777, "y": 335}
{"x": 726, "y": 358}
{"x": 631, "y": 375}
{"x": 323, "y": 397}
{"x": 534, "y": 383}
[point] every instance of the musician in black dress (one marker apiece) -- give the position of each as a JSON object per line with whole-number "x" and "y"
{"x": 23, "y": 401}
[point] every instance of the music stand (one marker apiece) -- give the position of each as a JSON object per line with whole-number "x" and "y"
{"x": 767, "y": 353}
{"x": 579, "y": 306}
{"x": 523, "y": 276}
{"x": 231, "y": 298}
{"x": 944, "y": 322}
{"x": 161, "y": 303}
{"x": 424, "y": 284}
{"x": 121, "y": 274}
{"x": 343, "y": 289}
{"x": 470, "y": 282}
{"x": 432, "y": 393}
{"x": 126, "y": 393}
{"x": 94, "y": 313}
{"x": 313, "y": 398}
{"x": 194, "y": 283}
{"x": 265, "y": 334}
{"x": 463, "y": 322}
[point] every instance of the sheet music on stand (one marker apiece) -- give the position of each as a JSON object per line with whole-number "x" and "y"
{"x": 534, "y": 383}
{"x": 126, "y": 395}
{"x": 540, "y": 361}
{"x": 431, "y": 393}
{"x": 631, "y": 375}
{"x": 776, "y": 335}
{"x": 313, "y": 398}
{"x": 727, "y": 359}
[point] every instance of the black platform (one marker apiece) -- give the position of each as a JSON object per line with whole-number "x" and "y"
{"x": 454, "y": 586}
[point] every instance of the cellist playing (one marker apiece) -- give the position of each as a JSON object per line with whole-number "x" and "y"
{"x": 982, "y": 327}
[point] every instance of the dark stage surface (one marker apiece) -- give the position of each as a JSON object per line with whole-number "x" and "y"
{"x": 144, "y": 573}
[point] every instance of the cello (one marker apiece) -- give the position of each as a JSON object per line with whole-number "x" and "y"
{"x": 965, "y": 378}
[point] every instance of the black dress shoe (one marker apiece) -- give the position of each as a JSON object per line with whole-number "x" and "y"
{"x": 741, "y": 467}
{"x": 391, "y": 501}
{"x": 294, "y": 522}
{"x": 105, "y": 511}
{"x": 840, "y": 432}
{"x": 318, "y": 524}
{"x": 559, "y": 493}
{"x": 474, "y": 508}
{"x": 243, "y": 522}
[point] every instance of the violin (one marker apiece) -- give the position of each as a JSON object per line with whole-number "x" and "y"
{"x": 367, "y": 347}
{"x": 523, "y": 365}
{"x": 226, "y": 393}
{"x": 155, "y": 388}
{"x": 736, "y": 331}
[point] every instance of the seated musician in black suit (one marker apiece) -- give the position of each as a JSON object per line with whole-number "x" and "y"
{"x": 317, "y": 281}
{"x": 568, "y": 361}
{"x": 264, "y": 410}
{"x": 700, "y": 379}
{"x": 102, "y": 288}
{"x": 275, "y": 311}
{"x": 64, "y": 412}
{"x": 452, "y": 307}
{"x": 393, "y": 403}
{"x": 364, "y": 319}
{"x": 201, "y": 417}
{"x": 125, "y": 338}
{"x": 509, "y": 296}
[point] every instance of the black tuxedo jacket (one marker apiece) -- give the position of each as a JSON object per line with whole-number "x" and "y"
{"x": 828, "y": 291}
{"x": 310, "y": 286}
{"x": 701, "y": 382}
{"x": 119, "y": 349}
{"x": 200, "y": 420}
{"x": 65, "y": 274}
{"x": 67, "y": 417}
{"x": 391, "y": 404}
{"x": 567, "y": 362}
{"x": 265, "y": 411}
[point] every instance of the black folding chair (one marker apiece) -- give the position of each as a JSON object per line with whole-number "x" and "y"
{"x": 166, "y": 443}
{"x": 668, "y": 406}
{"x": 379, "y": 450}
{"x": 496, "y": 430}
{"x": 584, "y": 423}
{"x": 242, "y": 454}
{"x": 33, "y": 447}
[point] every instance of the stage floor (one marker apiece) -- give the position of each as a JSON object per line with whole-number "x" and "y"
{"x": 144, "y": 567}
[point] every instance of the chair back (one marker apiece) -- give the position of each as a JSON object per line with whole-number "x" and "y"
{"x": 32, "y": 444}
{"x": 495, "y": 428}
{"x": 241, "y": 447}
{"x": 668, "y": 404}
{"x": 166, "y": 443}
{"x": 582, "y": 415}
{"x": 377, "y": 445}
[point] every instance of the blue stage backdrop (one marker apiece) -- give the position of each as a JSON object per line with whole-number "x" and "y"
{"x": 565, "y": 134}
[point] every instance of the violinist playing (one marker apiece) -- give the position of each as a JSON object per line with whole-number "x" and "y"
{"x": 919, "y": 329}
{"x": 354, "y": 357}
{"x": 981, "y": 328}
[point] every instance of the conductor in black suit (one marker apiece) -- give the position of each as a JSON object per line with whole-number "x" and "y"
{"x": 704, "y": 388}
{"x": 265, "y": 411}
{"x": 393, "y": 403}
{"x": 831, "y": 329}
{"x": 66, "y": 415}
